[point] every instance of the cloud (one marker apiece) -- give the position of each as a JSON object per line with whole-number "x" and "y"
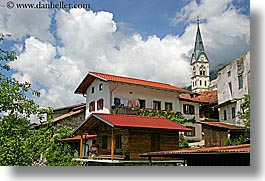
{"x": 204, "y": 10}
{"x": 54, "y": 78}
{"x": 22, "y": 22}
{"x": 91, "y": 41}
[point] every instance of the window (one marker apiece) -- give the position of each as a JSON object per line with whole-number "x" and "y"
{"x": 191, "y": 132}
{"x": 92, "y": 106}
{"x": 100, "y": 87}
{"x": 118, "y": 144}
{"x": 100, "y": 104}
{"x": 229, "y": 73}
{"x": 104, "y": 142}
{"x": 194, "y": 70}
{"x": 157, "y": 105}
{"x": 155, "y": 142}
{"x": 202, "y": 70}
{"x": 200, "y": 82}
{"x": 142, "y": 103}
{"x": 92, "y": 90}
{"x": 188, "y": 109}
{"x": 205, "y": 83}
{"x": 168, "y": 106}
{"x": 240, "y": 82}
{"x": 230, "y": 87}
{"x": 233, "y": 112}
{"x": 225, "y": 116}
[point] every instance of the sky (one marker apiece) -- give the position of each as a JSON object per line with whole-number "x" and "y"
{"x": 146, "y": 39}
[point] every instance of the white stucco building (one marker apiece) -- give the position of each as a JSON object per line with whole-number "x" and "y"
{"x": 109, "y": 93}
{"x": 233, "y": 82}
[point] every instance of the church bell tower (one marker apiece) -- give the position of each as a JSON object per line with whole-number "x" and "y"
{"x": 200, "y": 79}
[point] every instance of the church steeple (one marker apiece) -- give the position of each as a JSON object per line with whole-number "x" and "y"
{"x": 198, "y": 48}
{"x": 200, "y": 79}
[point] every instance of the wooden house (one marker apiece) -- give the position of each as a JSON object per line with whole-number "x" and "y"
{"x": 122, "y": 136}
{"x": 216, "y": 133}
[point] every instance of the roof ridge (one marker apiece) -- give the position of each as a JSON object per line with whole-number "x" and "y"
{"x": 128, "y": 115}
{"x": 92, "y": 75}
{"x": 93, "y": 72}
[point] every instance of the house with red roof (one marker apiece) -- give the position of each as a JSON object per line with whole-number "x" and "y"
{"x": 121, "y": 136}
{"x": 107, "y": 93}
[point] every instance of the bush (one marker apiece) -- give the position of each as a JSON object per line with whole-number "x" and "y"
{"x": 183, "y": 143}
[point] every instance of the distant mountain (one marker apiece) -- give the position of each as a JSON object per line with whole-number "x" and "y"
{"x": 215, "y": 70}
{"x": 187, "y": 88}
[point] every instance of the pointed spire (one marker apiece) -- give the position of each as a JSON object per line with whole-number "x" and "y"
{"x": 198, "y": 48}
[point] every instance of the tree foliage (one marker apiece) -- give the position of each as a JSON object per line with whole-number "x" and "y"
{"x": 171, "y": 115}
{"x": 21, "y": 145}
{"x": 236, "y": 141}
{"x": 183, "y": 143}
{"x": 244, "y": 115}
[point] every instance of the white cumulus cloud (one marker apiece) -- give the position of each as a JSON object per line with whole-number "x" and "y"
{"x": 20, "y": 22}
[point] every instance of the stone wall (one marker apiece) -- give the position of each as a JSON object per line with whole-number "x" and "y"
{"x": 72, "y": 121}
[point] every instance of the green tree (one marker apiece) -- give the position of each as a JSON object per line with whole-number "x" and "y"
{"x": 20, "y": 145}
{"x": 244, "y": 115}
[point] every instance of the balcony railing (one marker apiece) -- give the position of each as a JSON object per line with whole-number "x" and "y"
{"x": 123, "y": 110}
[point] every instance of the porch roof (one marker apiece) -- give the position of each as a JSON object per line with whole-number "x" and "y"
{"x": 223, "y": 125}
{"x": 121, "y": 120}
{"x": 87, "y": 137}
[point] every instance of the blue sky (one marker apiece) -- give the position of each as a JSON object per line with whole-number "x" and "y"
{"x": 147, "y": 39}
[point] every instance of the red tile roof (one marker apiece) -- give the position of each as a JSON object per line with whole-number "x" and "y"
{"x": 107, "y": 77}
{"x": 67, "y": 115}
{"x": 122, "y": 120}
{"x": 224, "y": 125}
{"x": 209, "y": 97}
{"x": 87, "y": 137}
{"x": 244, "y": 148}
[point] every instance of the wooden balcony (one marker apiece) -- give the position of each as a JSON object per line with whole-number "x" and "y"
{"x": 123, "y": 110}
